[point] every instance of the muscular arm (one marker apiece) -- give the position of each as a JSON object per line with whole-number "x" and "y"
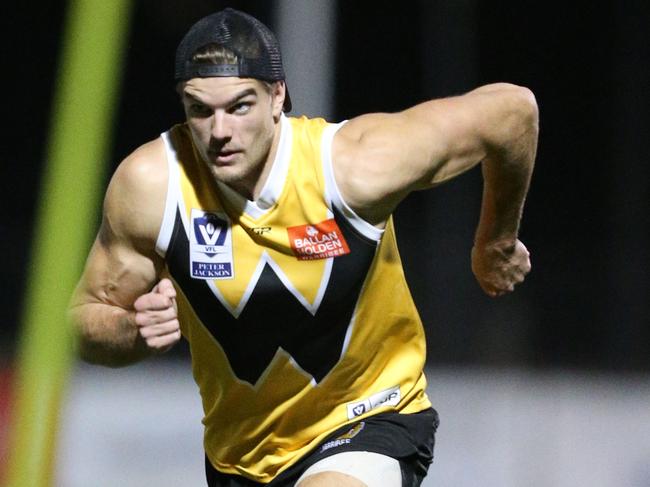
{"x": 123, "y": 268}
{"x": 380, "y": 158}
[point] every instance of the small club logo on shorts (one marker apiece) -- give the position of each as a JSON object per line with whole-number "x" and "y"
{"x": 345, "y": 438}
{"x": 354, "y": 431}
{"x": 210, "y": 246}
{"x": 317, "y": 240}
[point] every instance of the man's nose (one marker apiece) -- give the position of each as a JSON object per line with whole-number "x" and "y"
{"x": 221, "y": 128}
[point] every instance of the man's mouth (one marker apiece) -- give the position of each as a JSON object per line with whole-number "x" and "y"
{"x": 223, "y": 156}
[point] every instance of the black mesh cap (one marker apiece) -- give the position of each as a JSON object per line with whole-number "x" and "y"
{"x": 254, "y": 44}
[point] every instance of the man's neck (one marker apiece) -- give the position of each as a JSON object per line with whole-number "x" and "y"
{"x": 252, "y": 187}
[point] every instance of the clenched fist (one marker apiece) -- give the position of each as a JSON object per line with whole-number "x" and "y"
{"x": 156, "y": 317}
{"x": 499, "y": 266}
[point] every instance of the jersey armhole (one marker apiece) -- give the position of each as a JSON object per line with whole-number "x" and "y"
{"x": 332, "y": 190}
{"x": 169, "y": 216}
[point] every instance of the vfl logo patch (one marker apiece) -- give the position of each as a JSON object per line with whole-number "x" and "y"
{"x": 210, "y": 246}
{"x": 358, "y": 410}
{"x": 389, "y": 397}
{"x": 317, "y": 241}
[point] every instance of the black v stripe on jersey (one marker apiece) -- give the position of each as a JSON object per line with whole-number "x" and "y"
{"x": 315, "y": 342}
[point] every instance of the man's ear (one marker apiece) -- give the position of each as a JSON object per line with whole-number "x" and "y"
{"x": 278, "y": 92}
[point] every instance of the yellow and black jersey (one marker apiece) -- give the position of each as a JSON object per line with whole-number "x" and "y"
{"x": 296, "y": 310}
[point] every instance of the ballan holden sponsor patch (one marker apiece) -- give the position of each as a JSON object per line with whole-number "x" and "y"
{"x": 389, "y": 397}
{"x": 317, "y": 241}
{"x": 210, "y": 246}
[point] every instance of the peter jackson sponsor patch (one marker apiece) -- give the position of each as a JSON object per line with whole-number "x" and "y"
{"x": 317, "y": 240}
{"x": 210, "y": 246}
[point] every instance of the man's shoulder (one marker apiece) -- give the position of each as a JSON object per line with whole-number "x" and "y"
{"x": 144, "y": 163}
{"x": 136, "y": 195}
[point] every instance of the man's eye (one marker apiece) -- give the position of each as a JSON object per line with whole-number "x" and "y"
{"x": 241, "y": 108}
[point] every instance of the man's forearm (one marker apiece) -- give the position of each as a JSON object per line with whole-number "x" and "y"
{"x": 107, "y": 335}
{"x": 506, "y": 174}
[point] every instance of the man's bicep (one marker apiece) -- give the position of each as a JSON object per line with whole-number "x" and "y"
{"x": 446, "y": 139}
{"x": 465, "y": 130}
{"x": 380, "y": 158}
{"x": 123, "y": 263}
{"x": 115, "y": 273}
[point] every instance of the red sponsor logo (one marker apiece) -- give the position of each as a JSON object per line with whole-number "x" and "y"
{"x": 317, "y": 241}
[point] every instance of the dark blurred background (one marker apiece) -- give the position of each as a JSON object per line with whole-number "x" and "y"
{"x": 586, "y": 223}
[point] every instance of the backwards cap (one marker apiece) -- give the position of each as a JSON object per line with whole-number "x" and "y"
{"x": 256, "y": 47}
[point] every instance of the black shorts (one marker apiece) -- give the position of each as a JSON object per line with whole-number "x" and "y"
{"x": 409, "y": 438}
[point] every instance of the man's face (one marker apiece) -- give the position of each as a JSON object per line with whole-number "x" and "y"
{"x": 233, "y": 121}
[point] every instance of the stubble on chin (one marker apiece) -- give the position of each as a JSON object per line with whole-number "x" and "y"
{"x": 231, "y": 176}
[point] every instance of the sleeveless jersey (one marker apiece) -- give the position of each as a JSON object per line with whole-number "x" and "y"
{"x": 296, "y": 310}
